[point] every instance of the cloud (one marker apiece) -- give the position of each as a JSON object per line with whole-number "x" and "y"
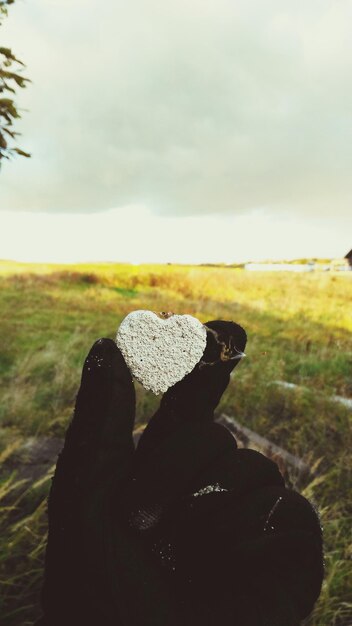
{"x": 187, "y": 107}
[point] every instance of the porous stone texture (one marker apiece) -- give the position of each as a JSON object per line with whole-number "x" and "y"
{"x": 160, "y": 350}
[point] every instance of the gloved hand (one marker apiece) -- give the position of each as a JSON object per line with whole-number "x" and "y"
{"x": 184, "y": 530}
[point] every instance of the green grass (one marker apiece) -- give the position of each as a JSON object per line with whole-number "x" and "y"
{"x": 299, "y": 330}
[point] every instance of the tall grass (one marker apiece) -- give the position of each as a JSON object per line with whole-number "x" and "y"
{"x": 299, "y": 329}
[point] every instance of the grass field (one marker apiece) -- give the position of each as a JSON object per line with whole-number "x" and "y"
{"x": 299, "y": 330}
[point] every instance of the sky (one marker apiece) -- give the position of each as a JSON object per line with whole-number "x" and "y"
{"x": 180, "y": 131}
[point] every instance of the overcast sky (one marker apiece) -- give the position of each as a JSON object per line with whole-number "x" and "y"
{"x": 231, "y": 114}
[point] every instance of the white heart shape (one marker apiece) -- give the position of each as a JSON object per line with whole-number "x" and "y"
{"x": 160, "y": 351}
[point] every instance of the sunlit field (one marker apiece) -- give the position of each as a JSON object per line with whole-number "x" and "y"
{"x": 299, "y": 330}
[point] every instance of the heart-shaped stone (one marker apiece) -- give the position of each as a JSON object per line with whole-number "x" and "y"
{"x": 160, "y": 349}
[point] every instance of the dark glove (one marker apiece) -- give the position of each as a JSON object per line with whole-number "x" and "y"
{"x": 185, "y": 530}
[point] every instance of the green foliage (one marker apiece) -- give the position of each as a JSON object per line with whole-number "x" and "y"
{"x": 299, "y": 330}
{"x": 9, "y": 81}
{"x": 3, "y": 7}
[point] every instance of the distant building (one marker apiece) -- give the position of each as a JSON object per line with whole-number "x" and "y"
{"x": 342, "y": 264}
{"x": 279, "y": 267}
{"x": 349, "y": 258}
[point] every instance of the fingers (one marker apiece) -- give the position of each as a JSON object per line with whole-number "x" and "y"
{"x": 176, "y": 466}
{"x": 97, "y": 453}
{"x": 99, "y": 439}
{"x": 198, "y": 454}
{"x": 98, "y": 445}
{"x": 195, "y": 398}
{"x": 226, "y": 342}
{"x": 266, "y": 544}
{"x": 288, "y": 554}
{"x": 198, "y": 394}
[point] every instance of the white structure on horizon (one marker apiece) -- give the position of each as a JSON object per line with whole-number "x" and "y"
{"x": 342, "y": 264}
{"x": 280, "y": 267}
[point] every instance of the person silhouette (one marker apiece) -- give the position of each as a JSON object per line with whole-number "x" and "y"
{"x": 186, "y": 528}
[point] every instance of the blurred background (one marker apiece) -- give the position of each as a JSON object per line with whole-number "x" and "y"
{"x": 185, "y": 156}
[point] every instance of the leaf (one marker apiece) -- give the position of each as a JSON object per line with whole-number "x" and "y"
{"x": 3, "y": 142}
{"x": 10, "y": 132}
{"x": 13, "y": 76}
{"x": 6, "y": 87}
{"x": 21, "y": 152}
{"x": 9, "y": 81}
